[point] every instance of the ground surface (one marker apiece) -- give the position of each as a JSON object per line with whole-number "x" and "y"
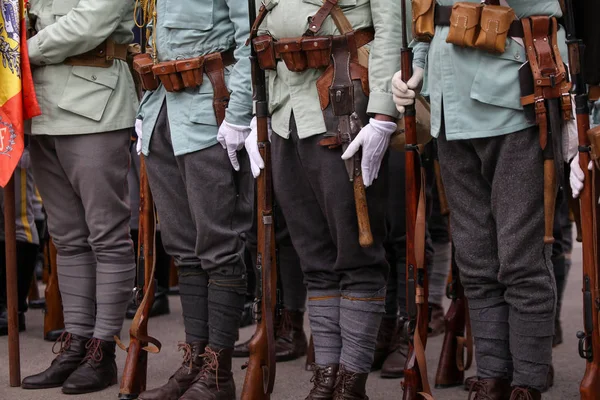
{"x": 292, "y": 380}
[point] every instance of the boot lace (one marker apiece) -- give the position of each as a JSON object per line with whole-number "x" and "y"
{"x": 94, "y": 351}
{"x": 344, "y": 380}
{"x": 520, "y": 393}
{"x": 65, "y": 343}
{"x": 187, "y": 355}
{"x": 480, "y": 390}
{"x": 211, "y": 366}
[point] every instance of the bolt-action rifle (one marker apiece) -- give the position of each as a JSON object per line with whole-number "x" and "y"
{"x": 260, "y": 375}
{"x": 416, "y": 384}
{"x": 140, "y": 343}
{"x": 457, "y": 339}
{"x": 589, "y": 339}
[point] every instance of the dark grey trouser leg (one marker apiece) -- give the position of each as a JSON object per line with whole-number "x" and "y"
{"x": 495, "y": 191}
{"x": 316, "y": 197}
{"x": 178, "y": 232}
{"x": 80, "y": 187}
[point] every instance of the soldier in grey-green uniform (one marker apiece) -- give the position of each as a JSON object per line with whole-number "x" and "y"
{"x": 492, "y": 167}
{"x": 346, "y": 283}
{"x": 80, "y": 159}
{"x": 191, "y": 138}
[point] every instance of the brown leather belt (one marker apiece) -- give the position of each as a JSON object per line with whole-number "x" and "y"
{"x": 102, "y": 56}
{"x": 443, "y": 13}
{"x": 304, "y": 52}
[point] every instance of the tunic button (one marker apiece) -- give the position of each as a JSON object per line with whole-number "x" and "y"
{"x": 517, "y": 56}
{"x": 94, "y": 77}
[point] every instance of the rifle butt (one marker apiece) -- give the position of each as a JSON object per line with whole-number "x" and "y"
{"x": 365, "y": 236}
{"x": 134, "y": 373}
{"x": 590, "y": 385}
{"x": 53, "y": 317}
{"x": 412, "y": 384}
{"x": 254, "y": 387}
{"x": 549, "y": 200}
{"x": 444, "y": 208}
{"x": 448, "y": 375}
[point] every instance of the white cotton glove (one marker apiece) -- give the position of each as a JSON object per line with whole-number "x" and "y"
{"x": 404, "y": 93}
{"x": 570, "y": 140}
{"x": 374, "y": 140}
{"x": 256, "y": 161}
{"x": 138, "y": 132}
{"x": 232, "y": 139}
{"x": 576, "y": 176}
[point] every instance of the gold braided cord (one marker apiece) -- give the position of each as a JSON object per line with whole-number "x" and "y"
{"x": 148, "y": 8}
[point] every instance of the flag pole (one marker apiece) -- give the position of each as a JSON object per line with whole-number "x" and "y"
{"x": 14, "y": 361}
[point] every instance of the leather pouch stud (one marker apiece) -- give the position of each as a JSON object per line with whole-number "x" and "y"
{"x": 318, "y": 51}
{"x": 168, "y": 75}
{"x": 191, "y": 71}
{"x": 265, "y": 51}
{"x": 464, "y": 24}
{"x": 494, "y": 25}
{"x": 423, "y": 13}
{"x": 142, "y": 65}
{"x": 290, "y": 51}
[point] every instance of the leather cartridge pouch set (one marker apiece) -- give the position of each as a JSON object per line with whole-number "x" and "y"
{"x": 484, "y": 26}
{"x": 188, "y": 73}
{"x": 102, "y": 56}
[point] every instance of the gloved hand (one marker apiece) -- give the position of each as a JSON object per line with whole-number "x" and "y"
{"x": 570, "y": 137}
{"x": 404, "y": 93}
{"x": 256, "y": 161}
{"x": 232, "y": 139}
{"x": 576, "y": 176}
{"x": 138, "y": 132}
{"x": 374, "y": 139}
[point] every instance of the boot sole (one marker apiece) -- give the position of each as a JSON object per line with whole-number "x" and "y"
{"x": 88, "y": 390}
{"x": 449, "y": 385}
{"x": 36, "y": 387}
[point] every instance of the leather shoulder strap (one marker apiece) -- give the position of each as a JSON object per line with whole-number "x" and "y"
{"x": 316, "y": 21}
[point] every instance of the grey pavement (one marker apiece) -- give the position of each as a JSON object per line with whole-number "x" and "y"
{"x": 292, "y": 381}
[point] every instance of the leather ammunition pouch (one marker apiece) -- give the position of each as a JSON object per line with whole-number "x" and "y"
{"x": 594, "y": 136}
{"x": 547, "y": 73}
{"x": 423, "y": 21}
{"x": 481, "y": 26}
{"x": 302, "y": 53}
{"x": 102, "y": 56}
{"x": 142, "y": 66}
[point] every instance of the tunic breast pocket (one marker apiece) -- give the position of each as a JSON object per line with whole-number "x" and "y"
{"x": 62, "y": 7}
{"x": 88, "y": 91}
{"x": 189, "y": 14}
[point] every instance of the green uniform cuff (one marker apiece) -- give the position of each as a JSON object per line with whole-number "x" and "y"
{"x": 382, "y": 103}
{"x": 238, "y": 114}
{"x": 35, "y": 52}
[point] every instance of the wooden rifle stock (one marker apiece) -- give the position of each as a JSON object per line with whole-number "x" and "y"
{"x": 53, "y": 315}
{"x": 457, "y": 339}
{"x": 260, "y": 375}
{"x": 416, "y": 383}
{"x": 134, "y": 373}
{"x": 589, "y": 339}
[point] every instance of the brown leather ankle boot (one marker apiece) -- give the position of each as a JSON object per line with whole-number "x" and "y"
{"x": 181, "y": 380}
{"x": 350, "y": 385}
{"x": 215, "y": 380}
{"x": 393, "y": 366}
{"x": 98, "y": 370}
{"x": 490, "y": 389}
{"x": 324, "y": 378}
{"x": 385, "y": 337}
{"x": 522, "y": 393}
{"x": 72, "y": 351}
{"x": 291, "y": 340}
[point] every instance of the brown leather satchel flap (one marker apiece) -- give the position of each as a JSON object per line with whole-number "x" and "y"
{"x": 317, "y": 43}
{"x": 423, "y": 16}
{"x": 164, "y": 68}
{"x": 189, "y": 64}
{"x": 143, "y": 63}
{"x": 262, "y": 43}
{"x": 464, "y": 24}
{"x": 289, "y": 45}
{"x": 421, "y": 7}
{"x": 497, "y": 19}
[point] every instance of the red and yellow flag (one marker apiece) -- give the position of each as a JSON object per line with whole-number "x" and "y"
{"x": 17, "y": 95}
